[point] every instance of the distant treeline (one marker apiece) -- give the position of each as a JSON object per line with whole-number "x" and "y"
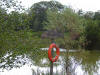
{"x": 35, "y": 19}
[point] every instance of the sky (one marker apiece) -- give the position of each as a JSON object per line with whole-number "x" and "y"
{"x": 85, "y": 5}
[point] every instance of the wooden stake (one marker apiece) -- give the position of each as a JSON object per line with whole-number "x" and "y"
{"x": 51, "y": 63}
{"x": 51, "y": 68}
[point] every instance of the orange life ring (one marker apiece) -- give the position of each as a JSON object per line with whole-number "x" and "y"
{"x": 50, "y": 54}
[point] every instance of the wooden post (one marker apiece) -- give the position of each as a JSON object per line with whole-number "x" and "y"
{"x": 51, "y": 63}
{"x": 51, "y": 68}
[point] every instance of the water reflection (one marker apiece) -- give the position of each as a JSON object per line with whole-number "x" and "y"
{"x": 81, "y": 63}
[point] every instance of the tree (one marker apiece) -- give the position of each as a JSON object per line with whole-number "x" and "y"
{"x": 92, "y": 29}
{"x": 3, "y": 19}
{"x": 18, "y": 21}
{"x": 80, "y": 12}
{"x": 39, "y": 9}
{"x": 66, "y": 21}
{"x": 93, "y": 34}
{"x": 11, "y": 4}
{"x": 89, "y": 15}
{"x": 97, "y": 15}
{"x": 7, "y": 3}
{"x": 72, "y": 26}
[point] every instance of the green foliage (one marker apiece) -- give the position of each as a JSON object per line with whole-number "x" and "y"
{"x": 11, "y": 4}
{"x": 39, "y": 11}
{"x": 3, "y": 17}
{"x": 13, "y": 21}
{"x": 19, "y": 21}
{"x": 92, "y": 30}
{"x": 16, "y": 28}
{"x": 97, "y": 15}
{"x": 93, "y": 34}
{"x": 67, "y": 22}
{"x": 20, "y": 43}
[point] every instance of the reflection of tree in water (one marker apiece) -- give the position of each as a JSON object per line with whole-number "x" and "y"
{"x": 38, "y": 56}
{"x": 47, "y": 73}
{"x": 88, "y": 60}
{"x": 70, "y": 65}
{"x": 10, "y": 61}
{"x": 17, "y": 58}
{"x": 58, "y": 70}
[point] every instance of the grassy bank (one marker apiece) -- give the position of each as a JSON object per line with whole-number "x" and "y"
{"x": 21, "y": 42}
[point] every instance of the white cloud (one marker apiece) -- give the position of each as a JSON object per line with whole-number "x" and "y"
{"x": 29, "y": 3}
{"x": 87, "y": 5}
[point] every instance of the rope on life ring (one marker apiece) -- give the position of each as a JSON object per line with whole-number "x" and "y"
{"x": 50, "y": 54}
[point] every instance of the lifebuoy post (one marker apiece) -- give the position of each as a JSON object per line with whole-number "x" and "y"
{"x": 51, "y": 55}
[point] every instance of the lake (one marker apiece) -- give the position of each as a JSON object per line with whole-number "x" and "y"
{"x": 80, "y": 63}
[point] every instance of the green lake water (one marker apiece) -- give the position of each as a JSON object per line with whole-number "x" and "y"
{"x": 81, "y": 63}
